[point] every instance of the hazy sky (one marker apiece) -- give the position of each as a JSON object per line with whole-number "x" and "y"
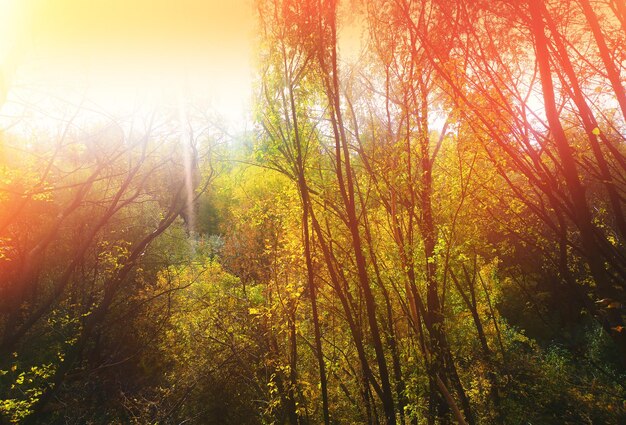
{"x": 124, "y": 51}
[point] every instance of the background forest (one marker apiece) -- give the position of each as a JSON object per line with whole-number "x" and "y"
{"x": 431, "y": 233}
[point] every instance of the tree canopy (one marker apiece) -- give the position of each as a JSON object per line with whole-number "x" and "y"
{"x": 429, "y": 229}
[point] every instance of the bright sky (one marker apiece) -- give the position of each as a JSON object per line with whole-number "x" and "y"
{"x": 120, "y": 55}
{"x": 129, "y": 52}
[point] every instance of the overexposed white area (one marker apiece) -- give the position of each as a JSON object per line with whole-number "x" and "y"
{"x": 124, "y": 59}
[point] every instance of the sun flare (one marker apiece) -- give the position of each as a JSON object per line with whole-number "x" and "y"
{"x": 119, "y": 54}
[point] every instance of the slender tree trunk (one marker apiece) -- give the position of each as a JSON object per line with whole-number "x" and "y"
{"x": 590, "y": 124}
{"x": 605, "y": 55}
{"x": 292, "y": 393}
{"x": 347, "y": 190}
{"x": 357, "y": 336}
{"x": 583, "y": 218}
{"x": 306, "y": 205}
